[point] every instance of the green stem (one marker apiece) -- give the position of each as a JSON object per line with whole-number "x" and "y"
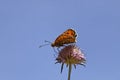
{"x": 69, "y": 71}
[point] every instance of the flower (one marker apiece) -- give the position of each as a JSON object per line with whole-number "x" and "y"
{"x": 70, "y": 55}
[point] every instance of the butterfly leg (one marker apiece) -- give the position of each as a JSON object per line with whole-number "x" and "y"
{"x": 58, "y": 48}
{"x": 55, "y": 50}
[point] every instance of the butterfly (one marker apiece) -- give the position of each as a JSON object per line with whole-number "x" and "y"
{"x": 67, "y": 37}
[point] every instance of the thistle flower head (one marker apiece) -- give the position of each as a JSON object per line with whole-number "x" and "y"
{"x": 71, "y": 54}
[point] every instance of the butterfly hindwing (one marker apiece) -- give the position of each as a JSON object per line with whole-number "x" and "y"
{"x": 69, "y": 36}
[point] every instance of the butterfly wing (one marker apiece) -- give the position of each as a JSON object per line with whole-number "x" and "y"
{"x": 70, "y": 32}
{"x": 69, "y": 36}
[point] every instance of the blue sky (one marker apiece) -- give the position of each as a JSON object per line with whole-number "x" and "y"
{"x": 25, "y": 24}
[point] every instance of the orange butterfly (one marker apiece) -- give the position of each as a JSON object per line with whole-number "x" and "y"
{"x": 67, "y": 37}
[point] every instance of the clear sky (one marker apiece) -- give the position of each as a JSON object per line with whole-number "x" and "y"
{"x": 25, "y": 24}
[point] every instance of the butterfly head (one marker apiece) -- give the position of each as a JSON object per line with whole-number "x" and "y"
{"x": 52, "y": 44}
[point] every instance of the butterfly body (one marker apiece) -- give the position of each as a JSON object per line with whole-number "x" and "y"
{"x": 69, "y": 36}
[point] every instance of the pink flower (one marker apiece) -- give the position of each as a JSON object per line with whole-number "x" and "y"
{"x": 70, "y": 55}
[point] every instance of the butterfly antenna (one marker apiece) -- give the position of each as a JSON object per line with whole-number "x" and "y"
{"x": 48, "y": 41}
{"x": 43, "y": 45}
